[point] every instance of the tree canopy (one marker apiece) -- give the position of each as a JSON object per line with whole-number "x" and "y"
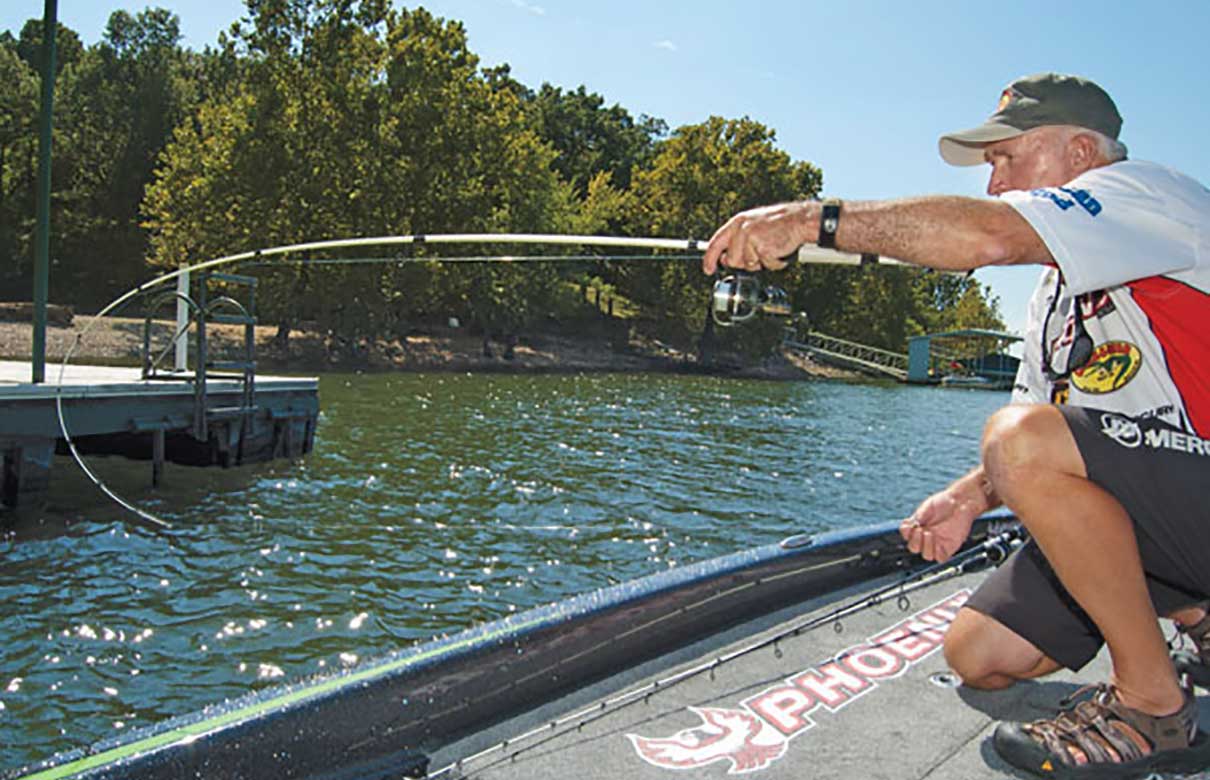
{"x": 313, "y": 119}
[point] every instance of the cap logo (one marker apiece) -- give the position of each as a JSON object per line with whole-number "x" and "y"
{"x": 1006, "y": 97}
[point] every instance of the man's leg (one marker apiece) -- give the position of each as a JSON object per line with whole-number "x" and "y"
{"x": 987, "y": 654}
{"x": 1032, "y": 461}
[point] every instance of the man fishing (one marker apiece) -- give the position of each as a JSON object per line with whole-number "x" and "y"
{"x": 1106, "y": 448}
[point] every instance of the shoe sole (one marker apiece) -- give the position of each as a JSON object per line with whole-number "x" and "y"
{"x": 1022, "y": 752}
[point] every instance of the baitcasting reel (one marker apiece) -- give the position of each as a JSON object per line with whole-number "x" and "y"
{"x": 740, "y": 296}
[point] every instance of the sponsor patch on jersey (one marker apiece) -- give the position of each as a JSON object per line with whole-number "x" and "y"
{"x": 1097, "y": 304}
{"x": 1066, "y": 197}
{"x": 1112, "y": 365}
{"x": 1128, "y": 433}
{"x": 755, "y": 733}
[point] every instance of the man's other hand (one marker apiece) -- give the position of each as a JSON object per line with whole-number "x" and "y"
{"x": 939, "y": 525}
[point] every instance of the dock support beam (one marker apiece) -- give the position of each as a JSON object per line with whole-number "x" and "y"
{"x": 157, "y": 457}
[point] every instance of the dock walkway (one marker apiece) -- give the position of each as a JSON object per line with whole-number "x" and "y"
{"x": 851, "y": 355}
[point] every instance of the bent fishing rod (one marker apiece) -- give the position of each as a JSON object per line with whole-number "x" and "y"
{"x": 737, "y": 296}
{"x": 991, "y": 552}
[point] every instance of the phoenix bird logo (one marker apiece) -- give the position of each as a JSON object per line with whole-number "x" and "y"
{"x": 758, "y": 731}
{"x": 737, "y": 736}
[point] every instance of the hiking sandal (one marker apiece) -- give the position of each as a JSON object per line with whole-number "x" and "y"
{"x": 1111, "y": 737}
{"x": 1194, "y": 664}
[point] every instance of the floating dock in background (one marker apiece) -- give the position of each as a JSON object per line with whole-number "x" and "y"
{"x": 971, "y": 357}
{"x": 221, "y": 421}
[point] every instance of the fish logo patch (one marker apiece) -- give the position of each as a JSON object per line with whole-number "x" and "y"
{"x": 1112, "y": 365}
{"x": 756, "y": 733}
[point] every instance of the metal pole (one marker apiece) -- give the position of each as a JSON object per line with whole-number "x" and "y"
{"x": 182, "y": 319}
{"x": 42, "y": 241}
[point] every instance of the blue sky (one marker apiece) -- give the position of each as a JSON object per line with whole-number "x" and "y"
{"x": 861, "y": 89}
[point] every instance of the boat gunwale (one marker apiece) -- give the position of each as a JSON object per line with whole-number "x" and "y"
{"x": 278, "y": 723}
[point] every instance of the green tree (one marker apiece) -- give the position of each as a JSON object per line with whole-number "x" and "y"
{"x": 884, "y": 307}
{"x": 697, "y": 179}
{"x": 18, "y": 166}
{"x": 954, "y": 302}
{"x": 591, "y": 138}
{"x": 116, "y": 109}
{"x": 357, "y": 119}
{"x": 28, "y": 45}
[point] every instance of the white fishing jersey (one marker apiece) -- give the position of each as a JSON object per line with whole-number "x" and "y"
{"x": 1132, "y": 244}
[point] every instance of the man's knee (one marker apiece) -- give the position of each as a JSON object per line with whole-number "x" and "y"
{"x": 1022, "y": 440}
{"x": 987, "y": 654}
{"x": 970, "y": 654}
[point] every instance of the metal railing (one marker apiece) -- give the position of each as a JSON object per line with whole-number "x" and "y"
{"x": 849, "y": 354}
{"x": 202, "y": 310}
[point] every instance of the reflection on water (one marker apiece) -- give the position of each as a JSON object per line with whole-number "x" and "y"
{"x": 430, "y": 503}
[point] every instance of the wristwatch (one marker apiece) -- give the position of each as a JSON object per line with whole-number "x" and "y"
{"x": 829, "y": 223}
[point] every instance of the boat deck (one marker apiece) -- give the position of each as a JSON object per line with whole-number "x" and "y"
{"x": 873, "y": 701}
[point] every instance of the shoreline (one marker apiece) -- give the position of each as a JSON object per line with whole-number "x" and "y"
{"x": 118, "y": 341}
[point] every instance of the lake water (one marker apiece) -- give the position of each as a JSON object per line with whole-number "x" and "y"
{"x": 430, "y": 503}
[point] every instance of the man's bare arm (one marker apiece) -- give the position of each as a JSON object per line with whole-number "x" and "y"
{"x": 944, "y": 232}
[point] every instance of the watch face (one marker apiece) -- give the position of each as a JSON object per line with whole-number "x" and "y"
{"x": 829, "y": 225}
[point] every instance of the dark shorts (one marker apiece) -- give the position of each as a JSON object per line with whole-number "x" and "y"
{"x": 1161, "y": 475}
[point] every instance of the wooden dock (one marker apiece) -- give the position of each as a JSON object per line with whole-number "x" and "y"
{"x": 225, "y": 421}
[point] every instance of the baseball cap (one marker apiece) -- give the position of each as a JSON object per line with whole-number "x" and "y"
{"x": 1035, "y": 101}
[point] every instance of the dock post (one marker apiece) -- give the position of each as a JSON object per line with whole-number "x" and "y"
{"x": 50, "y": 29}
{"x": 26, "y": 469}
{"x": 182, "y": 319}
{"x": 157, "y": 457}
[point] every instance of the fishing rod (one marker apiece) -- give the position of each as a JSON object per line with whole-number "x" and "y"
{"x": 991, "y": 552}
{"x": 736, "y": 298}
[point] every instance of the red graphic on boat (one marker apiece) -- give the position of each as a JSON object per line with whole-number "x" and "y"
{"x": 759, "y": 732}
{"x": 734, "y": 735}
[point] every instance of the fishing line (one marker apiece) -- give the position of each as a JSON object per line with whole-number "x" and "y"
{"x": 684, "y": 248}
{"x": 992, "y": 551}
{"x": 259, "y": 257}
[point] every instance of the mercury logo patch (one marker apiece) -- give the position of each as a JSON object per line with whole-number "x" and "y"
{"x": 1123, "y": 430}
{"x": 758, "y": 731}
{"x": 1112, "y": 365}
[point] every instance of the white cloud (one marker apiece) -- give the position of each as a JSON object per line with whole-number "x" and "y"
{"x": 536, "y": 10}
{"x": 666, "y": 45}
